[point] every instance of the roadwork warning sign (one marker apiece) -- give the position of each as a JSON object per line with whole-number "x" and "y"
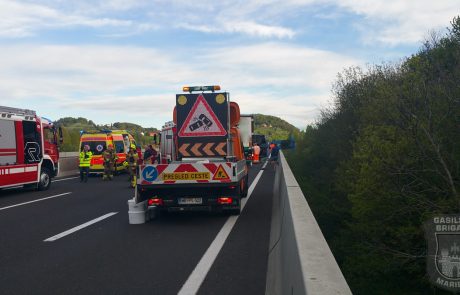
{"x": 202, "y": 121}
{"x": 220, "y": 174}
{"x": 202, "y": 124}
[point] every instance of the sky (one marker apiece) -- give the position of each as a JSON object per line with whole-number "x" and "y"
{"x": 125, "y": 60}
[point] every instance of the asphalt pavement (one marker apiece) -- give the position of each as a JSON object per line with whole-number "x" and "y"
{"x": 110, "y": 256}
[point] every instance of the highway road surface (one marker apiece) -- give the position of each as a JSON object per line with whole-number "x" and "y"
{"x": 75, "y": 238}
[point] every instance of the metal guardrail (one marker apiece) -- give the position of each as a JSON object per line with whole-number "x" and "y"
{"x": 68, "y": 154}
{"x": 68, "y": 163}
{"x": 300, "y": 260}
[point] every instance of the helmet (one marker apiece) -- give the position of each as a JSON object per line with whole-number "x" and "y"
{"x": 133, "y": 146}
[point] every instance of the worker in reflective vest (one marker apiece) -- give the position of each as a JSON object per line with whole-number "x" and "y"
{"x": 109, "y": 156}
{"x": 85, "y": 162}
{"x": 131, "y": 158}
{"x": 256, "y": 153}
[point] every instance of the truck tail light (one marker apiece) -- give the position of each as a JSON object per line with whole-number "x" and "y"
{"x": 155, "y": 202}
{"x": 224, "y": 200}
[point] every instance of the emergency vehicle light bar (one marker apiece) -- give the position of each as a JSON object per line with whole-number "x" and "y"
{"x": 200, "y": 88}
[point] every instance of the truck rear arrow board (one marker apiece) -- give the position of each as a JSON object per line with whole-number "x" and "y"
{"x": 219, "y": 149}
{"x": 195, "y": 150}
{"x": 207, "y": 149}
{"x": 201, "y": 149}
{"x": 183, "y": 150}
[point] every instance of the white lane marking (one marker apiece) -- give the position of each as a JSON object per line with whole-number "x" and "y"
{"x": 62, "y": 179}
{"x": 196, "y": 278}
{"x": 38, "y": 200}
{"x": 77, "y": 228}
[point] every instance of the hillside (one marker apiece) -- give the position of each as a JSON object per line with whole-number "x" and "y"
{"x": 273, "y": 127}
{"x": 71, "y": 128}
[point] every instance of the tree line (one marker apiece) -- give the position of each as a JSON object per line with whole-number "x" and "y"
{"x": 382, "y": 160}
{"x": 72, "y": 127}
{"x": 272, "y": 127}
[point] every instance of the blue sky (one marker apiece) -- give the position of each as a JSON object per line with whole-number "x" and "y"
{"x": 124, "y": 61}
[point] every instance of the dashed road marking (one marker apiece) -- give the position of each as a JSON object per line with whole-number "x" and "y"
{"x": 62, "y": 179}
{"x": 77, "y": 228}
{"x": 34, "y": 201}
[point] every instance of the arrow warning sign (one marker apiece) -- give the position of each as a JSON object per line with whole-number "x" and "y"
{"x": 202, "y": 121}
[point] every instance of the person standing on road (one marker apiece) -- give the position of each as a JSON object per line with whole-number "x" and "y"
{"x": 85, "y": 163}
{"x": 148, "y": 154}
{"x": 109, "y": 156}
{"x": 131, "y": 158}
{"x": 154, "y": 158}
{"x": 274, "y": 154}
{"x": 256, "y": 151}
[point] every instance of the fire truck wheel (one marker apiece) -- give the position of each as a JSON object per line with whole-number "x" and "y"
{"x": 45, "y": 180}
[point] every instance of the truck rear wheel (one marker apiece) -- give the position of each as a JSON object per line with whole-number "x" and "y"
{"x": 234, "y": 211}
{"x": 45, "y": 180}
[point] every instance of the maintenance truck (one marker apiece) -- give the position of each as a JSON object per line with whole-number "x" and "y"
{"x": 29, "y": 154}
{"x": 208, "y": 170}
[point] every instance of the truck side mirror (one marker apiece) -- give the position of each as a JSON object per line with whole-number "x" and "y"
{"x": 155, "y": 138}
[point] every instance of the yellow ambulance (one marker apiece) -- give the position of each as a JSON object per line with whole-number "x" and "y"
{"x": 99, "y": 140}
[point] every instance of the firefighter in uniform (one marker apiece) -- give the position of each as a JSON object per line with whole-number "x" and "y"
{"x": 109, "y": 156}
{"x": 85, "y": 163}
{"x": 131, "y": 158}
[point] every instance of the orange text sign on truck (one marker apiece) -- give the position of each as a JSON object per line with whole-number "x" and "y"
{"x": 218, "y": 172}
{"x": 202, "y": 124}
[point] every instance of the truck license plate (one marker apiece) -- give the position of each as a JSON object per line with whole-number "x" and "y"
{"x": 190, "y": 201}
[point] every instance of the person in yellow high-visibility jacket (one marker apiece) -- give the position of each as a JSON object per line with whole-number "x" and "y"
{"x": 85, "y": 162}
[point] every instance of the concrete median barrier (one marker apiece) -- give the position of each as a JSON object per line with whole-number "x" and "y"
{"x": 300, "y": 260}
{"x": 68, "y": 163}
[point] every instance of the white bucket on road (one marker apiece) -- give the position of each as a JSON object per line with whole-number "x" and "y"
{"x": 136, "y": 212}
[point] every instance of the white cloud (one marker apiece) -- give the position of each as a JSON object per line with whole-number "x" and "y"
{"x": 396, "y": 22}
{"x": 18, "y": 20}
{"x": 291, "y": 80}
{"x": 390, "y": 22}
{"x": 255, "y": 29}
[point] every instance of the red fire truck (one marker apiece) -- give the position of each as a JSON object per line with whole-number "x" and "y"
{"x": 28, "y": 149}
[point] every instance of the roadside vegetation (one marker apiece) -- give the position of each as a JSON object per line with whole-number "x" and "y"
{"x": 384, "y": 159}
